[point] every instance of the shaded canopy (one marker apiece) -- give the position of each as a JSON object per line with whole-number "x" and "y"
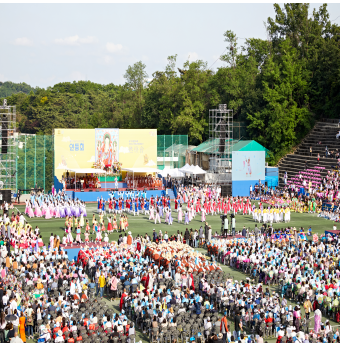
{"x": 192, "y": 169}
{"x": 87, "y": 171}
{"x": 141, "y": 170}
{"x": 172, "y": 172}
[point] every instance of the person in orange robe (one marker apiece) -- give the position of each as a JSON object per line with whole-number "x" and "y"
{"x": 22, "y": 322}
{"x": 129, "y": 239}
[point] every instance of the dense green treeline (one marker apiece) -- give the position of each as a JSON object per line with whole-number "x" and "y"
{"x": 7, "y": 88}
{"x": 279, "y": 87}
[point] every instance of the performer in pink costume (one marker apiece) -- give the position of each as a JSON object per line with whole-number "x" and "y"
{"x": 203, "y": 215}
{"x": 47, "y": 213}
{"x": 180, "y": 214}
{"x": 317, "y": 320}
{"x": 38, "y": 212}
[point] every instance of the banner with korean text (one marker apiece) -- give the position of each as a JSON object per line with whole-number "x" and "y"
{"x": 138, "y": 148}
{"x": 73, "y": 148}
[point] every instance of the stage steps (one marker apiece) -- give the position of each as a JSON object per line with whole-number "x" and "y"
{"x": 171, "y": 194}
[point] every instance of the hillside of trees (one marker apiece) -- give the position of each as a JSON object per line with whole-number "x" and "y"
{"x": 8, "y": 88}
{"x": 279, "y": 87}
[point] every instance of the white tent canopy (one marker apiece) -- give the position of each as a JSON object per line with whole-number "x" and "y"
{"x": 192, "y": 169}
{"x": 174, "y": 173}
{"x": 87, "y": 171}
{"x": 141, "y": 170}
{"x": 187, "y": 169}
{"x": 198, "y": 170}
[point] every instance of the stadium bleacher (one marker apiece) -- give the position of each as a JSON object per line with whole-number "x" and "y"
{"x": 323, "y": 134}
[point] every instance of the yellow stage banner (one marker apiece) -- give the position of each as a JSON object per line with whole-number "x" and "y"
{"x": 73, "y": 148}
{"x": 138, "y": 148}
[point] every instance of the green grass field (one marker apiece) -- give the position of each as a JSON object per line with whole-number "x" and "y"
{"x": 141, "y": 224}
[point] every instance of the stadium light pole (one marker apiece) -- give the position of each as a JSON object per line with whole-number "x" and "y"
{"x": 45, "y": 162}
{"x": 25, "y": 157}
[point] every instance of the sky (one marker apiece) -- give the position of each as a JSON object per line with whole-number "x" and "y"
{"x": 44, "y": 44}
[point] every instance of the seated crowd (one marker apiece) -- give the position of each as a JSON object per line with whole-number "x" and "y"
{"x": 143, "y": 182}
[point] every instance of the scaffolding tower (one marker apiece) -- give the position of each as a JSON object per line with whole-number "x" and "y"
{"x": 8, "y": 143}
{"x": 221, "y": 137}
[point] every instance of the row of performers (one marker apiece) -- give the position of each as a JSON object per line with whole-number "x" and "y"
{"x": 98, "y": 225}
{"x": 271, "y": 214}
{"x": 98, "y": 229}
{"x": 295, "y": 204}
{"x": 142, "y": 204}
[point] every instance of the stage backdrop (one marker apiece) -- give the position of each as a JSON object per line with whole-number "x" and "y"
{"x": 248, "y": 165}
{"x": 80, "y": 148}
{"x": 138, "y": 148}
{"x": 107, "y": 144}
{"x": 73, "y": 148}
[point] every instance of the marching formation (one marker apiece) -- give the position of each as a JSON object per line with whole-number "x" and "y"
{"x": 73, "y": 224}
{"x": 271, "y": 214}
{"x": 188, "y": 203}
{"x": 54, "y": 206}
{"x": 295, "y": 204}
